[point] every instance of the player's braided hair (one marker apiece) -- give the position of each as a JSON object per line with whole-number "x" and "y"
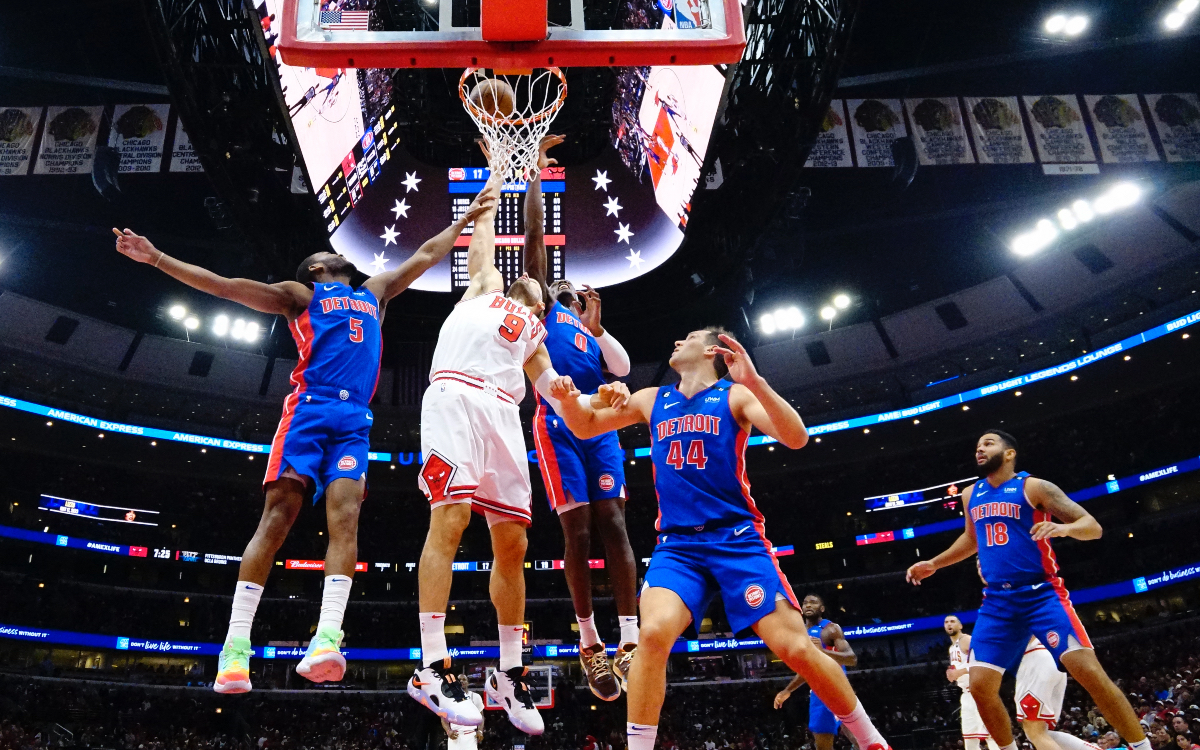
{"x": 713, "y": 340}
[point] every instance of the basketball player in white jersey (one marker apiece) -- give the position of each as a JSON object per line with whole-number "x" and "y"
{"x": 460, "y": 736}
{"x": 1039, "y": 698}
{"x": 973, "y": 729}
{"x": 476, "y": 460}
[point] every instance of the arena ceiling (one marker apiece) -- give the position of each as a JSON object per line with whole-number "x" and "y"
{"x": 852, "y": 230}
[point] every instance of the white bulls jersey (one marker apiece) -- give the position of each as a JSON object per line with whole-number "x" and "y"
{"x": 485, "y": 342}
{"x": 958, "y": 660}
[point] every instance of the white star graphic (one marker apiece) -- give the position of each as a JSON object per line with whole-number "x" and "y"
{"x": 623, "y": 233}
{"x": 410, "y": 182}
{"x": 401, "y": 209}
{"x": 380, "y": 262}
{"x": 612, "y": 206}
{"x": 601, "y": 180}
{"x": 635, "y": 258}
{"x": 389, "y": 235}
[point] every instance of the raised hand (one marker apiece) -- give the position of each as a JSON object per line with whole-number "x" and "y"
{"x": 591, "y": 311}
{"x": 483, "y": 202}
{"x": 919, "y": 572}
{"x": 137, "y": 247}
{"x": 548, "y": 143}
{"x": 615, "y": 394}
{"x": 563, "y": 389}
{"x": 737, "y": 359}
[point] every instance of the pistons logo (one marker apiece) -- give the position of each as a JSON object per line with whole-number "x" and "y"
{"x": 607, "y": 482}
{"x": 755, "y": 596}
{"x": 1052, "y": 639}
{"x": 347, "y": 463}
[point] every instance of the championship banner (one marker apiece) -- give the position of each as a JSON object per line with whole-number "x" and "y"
{"x": 17, "y": 126}
{"x": 138, "y": 132}
{"x": 1121, "y": 129}
{"x": 183, "y": 155}
{"x": 832, "y": 147}
{"x": 998, "y": 129}
{"x": 68, "y": 140}
{"x": 877, "y": 122}
{"x": 1059, "y": 130}
{"x": 1177, "y": 117}
{"x": 938, "y": 131}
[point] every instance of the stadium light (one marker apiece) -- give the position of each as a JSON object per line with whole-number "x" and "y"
{"x": 783, "y": 319}
{"x": 828, "y": 312}
{"x": 841, "y": 301}
{"x": 1060, "y": 24}
{"x": 191, "y": 323}
{"x": 239, "y": 329}
{"x": 767, "y": 324}
{"x": 1066, "y": 218}
{"x": 1120, "y": 195}
{"x": 1083, "y": 212}
{"x": 1056, "y": 23}
{"x": 251, "y": 334}
{"x": 177, "y": 312}
{"x": 220, "y": 325}
{"x": 1187, "y": 6}
{"x": 1076, "y": 25}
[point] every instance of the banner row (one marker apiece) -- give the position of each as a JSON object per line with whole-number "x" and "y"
{"x": 1125, "y": 128}
{"x": 64, "y": 139}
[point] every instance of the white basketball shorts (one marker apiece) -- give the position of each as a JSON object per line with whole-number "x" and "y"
{"x": 973, "y": 727}
{"x": 474, "y": 452}
{"x": 1040, "y": 687}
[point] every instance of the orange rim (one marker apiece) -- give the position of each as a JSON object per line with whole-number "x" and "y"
{"x": 478, "y": 113}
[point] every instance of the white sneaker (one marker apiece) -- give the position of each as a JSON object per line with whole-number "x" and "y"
{"x": 436, "y": 688}
{"x": 509, "y": 690}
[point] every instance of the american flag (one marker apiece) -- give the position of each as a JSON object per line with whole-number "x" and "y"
{"x": 345, "y": 20}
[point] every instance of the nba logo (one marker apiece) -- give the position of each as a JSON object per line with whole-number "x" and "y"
{"x": 606, "y": 482}
{"x": 1052, "y": 639}
{"x": 755, "y": 596}
{"x": 347, "y": 463}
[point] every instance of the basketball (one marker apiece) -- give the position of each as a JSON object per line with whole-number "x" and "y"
{"x": 494, "y": 97}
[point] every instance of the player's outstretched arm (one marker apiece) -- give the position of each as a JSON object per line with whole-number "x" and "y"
{"x": 536, "y": 264}
{"x": 963, "y": 547}
{"x": 288, "y": 298}
{"x": 841, "y": 653}
{"x": 391, "y": 283}
{"x": 757, "y": 402}
{"x": 782, "y": 696}
{"x": 481, "y": 253}
{"x": 1079, "y": 523}
{"x": 616, "y": 359}
{"x": 608, "y": 410}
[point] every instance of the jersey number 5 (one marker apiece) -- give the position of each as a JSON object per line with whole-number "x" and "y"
{"x": 356, "y": 330}
{"x": 695, "y": 454}
{"x": 997, "y": 534}
{"x": 512, "y": 326}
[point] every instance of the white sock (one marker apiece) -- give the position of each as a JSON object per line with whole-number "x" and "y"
{"x": 641, "y": 737}
{"x": 970, "y": 743}
{"x": 1070, "y": 741}
{"x": 992, "y": 744}
{"x": 1143, "y": 745}
{"x": 245, "y": 604}
{"x": 587, "y": 630}
{"x": 861, "y": 727}
{"x": 433, "y": 637}
{"x": 629, "y": 629}
{"x": 510, "y": 646}
{"x": 333, "y": 602}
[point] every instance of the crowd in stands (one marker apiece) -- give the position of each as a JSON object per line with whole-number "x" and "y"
{"x": 1157, "y": 666}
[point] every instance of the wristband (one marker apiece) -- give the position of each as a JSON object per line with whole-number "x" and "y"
{"x": 160, "y": 257}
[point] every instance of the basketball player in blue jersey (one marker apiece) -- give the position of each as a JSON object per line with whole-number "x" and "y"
{"x": 585, "y": 479}
{"x": 1008, "y": 524}
{"x": 711, "y": 536}
{"x": 826, "y": 635}
{"x": 322, "y": 441}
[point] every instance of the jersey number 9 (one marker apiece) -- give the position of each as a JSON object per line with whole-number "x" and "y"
{"x": 512, "y": 326}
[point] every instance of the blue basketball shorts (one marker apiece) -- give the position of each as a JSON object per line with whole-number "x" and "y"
{"x": 820, "y": 719}
{"x": 735, "y": 562}
{"x": 574, "y": 470}
{"x": 1010, "y": 616}
{"x": 321, "y": 437}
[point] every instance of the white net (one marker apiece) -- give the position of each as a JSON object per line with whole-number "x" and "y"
{"x": 512, "y": 139}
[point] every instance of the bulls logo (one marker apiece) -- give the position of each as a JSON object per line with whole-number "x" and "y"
{"x": 607, "y": 482}
{"x": 755, "y": 596}
{"x": 347, "y": 463}
{"x": 1052, "y": 639}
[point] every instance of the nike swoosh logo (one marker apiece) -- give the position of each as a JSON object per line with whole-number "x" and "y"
{"x": 1037, "y": 586}
{"x": 668, "y": 406}
{"x": 249, "y": 588}
{"x": 328, "y": 287}
{"x": 436, "y": 617}
{"x": 738, "y": 532}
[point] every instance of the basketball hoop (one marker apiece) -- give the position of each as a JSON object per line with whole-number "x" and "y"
{"x": 513, "y": 138}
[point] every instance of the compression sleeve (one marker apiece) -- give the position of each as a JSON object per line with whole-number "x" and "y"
{"x": 615, "y": 355}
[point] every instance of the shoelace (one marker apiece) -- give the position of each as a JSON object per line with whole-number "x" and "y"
{"x": 598, "y": 661}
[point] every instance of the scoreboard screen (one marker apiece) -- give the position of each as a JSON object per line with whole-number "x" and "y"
{"x": 96, "y": 512}
{"x": 950, "y": 491}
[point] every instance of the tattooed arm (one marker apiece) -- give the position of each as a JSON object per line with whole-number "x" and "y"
{"x": 1048, "y": 497}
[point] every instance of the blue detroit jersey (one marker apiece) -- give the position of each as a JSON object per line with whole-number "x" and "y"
{"x": 573, "y": 350}
{"x": 699, "y": 465}
{"x": 815, "y": 632}
{"x": 1003, "y": 521}
{"x": 339, "y": 342}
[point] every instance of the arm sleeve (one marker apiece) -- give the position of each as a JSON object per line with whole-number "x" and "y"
{"x": 615, "y": 355}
